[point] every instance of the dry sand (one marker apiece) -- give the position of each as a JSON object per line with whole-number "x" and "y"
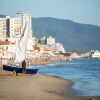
{"x": 35, "y": 87}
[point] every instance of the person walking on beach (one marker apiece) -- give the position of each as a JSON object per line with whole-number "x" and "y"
{"x": 28, "y": 63}
{"x": 24, "y": 67}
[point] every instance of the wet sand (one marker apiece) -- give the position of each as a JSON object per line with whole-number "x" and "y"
{"x": 35, "y": 87}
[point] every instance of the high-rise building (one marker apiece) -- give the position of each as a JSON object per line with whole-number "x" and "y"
{"x": 10, "y": 27}
{"x": 14, "y": 27}
{"x": 24, "y": 17}
{"x": 3, "y": 27}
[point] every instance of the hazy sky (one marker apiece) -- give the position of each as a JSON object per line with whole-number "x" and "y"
{"x": 82, "y": 11}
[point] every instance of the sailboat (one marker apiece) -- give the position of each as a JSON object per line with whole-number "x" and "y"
{"x": 21, "y": 53}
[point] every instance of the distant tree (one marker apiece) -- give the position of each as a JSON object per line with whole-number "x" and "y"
{"x": 65, "y": 54}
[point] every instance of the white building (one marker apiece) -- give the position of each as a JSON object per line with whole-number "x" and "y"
{"x": 50, "y": 40}
{"x": 3, "y": 27}
{"x": 57, "y": 47}
{"x": 10, "y": 27}
{"x": 14, "y": 27}
{"x": 7, "y": 50}
{"x": 95, "y": 54}
{"x": 24, "y": 17}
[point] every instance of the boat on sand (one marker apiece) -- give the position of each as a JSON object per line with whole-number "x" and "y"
{"x": 20, "y": 54}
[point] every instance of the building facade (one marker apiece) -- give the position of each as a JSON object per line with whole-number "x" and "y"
{"x": 26, "y": 17}
{"x": 50, "y": 40}
{"x": 12, "y": 26}
{"x": 3, "y": 27}
{"x": 7, "y": 50}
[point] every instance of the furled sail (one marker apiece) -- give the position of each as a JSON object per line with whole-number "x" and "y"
{"x": 21, "y": 49}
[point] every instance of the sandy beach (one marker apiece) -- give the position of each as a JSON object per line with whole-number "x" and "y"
{"x": 35, "y": 87}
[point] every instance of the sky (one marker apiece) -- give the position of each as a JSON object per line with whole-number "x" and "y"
{"x": 81, "y": 11}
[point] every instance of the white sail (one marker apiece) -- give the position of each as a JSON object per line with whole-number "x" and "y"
{"x": 21, "y": 49}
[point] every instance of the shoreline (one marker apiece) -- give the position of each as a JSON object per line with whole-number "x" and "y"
{"x": 37, "y": 87}
{"x": 31, "y": 63}
{"x": 72, "y": 91}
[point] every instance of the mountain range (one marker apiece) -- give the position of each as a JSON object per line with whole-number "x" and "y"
{"x": 73, "y": 35}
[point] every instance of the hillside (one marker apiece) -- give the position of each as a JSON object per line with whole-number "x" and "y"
{"x": 71, "y": 34}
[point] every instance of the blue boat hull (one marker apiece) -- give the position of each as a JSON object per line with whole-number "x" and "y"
{"x": 19, "y": 70}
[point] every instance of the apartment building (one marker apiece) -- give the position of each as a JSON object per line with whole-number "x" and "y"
{"x": 3, "y": 27}
{"x": 12, "y": 26}
{"x": 26, "y": 17}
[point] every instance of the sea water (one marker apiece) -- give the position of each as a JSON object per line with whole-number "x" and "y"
{"x": 85, "y": 73}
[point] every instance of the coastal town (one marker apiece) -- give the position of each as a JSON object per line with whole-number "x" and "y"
{"x": 49, "y": 50}
{"x": 45, "y": 49}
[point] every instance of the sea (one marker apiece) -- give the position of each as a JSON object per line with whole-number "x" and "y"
{"x": 84, "y": 72}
